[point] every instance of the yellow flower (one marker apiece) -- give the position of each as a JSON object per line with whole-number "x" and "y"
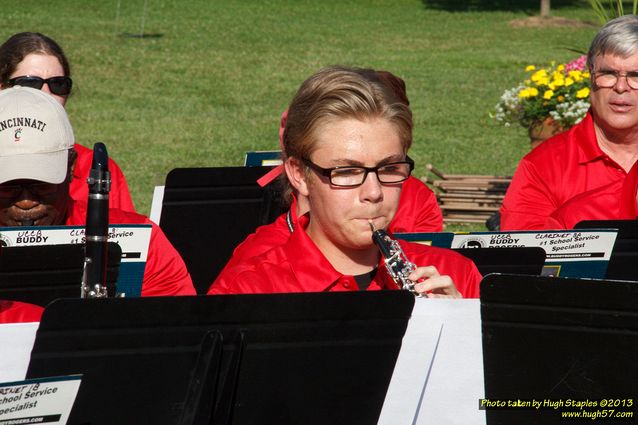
{"x": 530, "y": 68}
{"x": 541, "y": 73}
{"x": 560, "y": 98}
{"x": 529, "y": 92}
{"x": 543, "y": 81}
{"x": 575, "y": 75}
{"x": 568, "y": 82}
{"x": 548, "y": 94}
{"x": 558, "y": 82}
{"x": 582, "y": 93}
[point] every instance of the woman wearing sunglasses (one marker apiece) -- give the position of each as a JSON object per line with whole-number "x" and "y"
{"x": 34, "y": 60}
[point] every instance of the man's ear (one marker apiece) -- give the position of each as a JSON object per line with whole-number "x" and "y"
{"x": 296, "y": 175}
{"x": 73, "y": 156}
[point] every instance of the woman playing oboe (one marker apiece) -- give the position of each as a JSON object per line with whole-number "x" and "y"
{"x": 346, "y": 141}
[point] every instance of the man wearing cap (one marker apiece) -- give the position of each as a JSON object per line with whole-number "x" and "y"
{"x": 36, "y": 162}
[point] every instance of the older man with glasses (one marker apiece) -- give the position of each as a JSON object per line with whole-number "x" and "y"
{"x": 597, "y": 152}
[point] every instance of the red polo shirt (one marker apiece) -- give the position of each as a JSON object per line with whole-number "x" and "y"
{"x": 165, "y": 272}
{"x": 560, "y": 168}
{"x": 17, "y": 312}
{"x": 119, "y": 196}
{"x": 615, "y": 201}
{"x": 418, "y": 211}
{"x": 299, "y": 266}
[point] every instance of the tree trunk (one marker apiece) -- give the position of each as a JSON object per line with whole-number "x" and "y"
{"x": 545, "y": 7}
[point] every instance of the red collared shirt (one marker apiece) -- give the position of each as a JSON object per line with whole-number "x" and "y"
{"x": 418, "y": 211}
{"x": 616, "y": 201}
{"x": 17, "y": 312}
{"x": 119, "y": 196}
{"x": 299, "y": 266}
{"x": 560, "y": 168}
{"x": 165, "y": 272}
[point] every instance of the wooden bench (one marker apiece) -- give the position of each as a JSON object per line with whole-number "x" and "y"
{"x": 467, "y": 198}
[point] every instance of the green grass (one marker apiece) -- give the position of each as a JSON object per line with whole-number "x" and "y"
{"x": 214, "y": 84}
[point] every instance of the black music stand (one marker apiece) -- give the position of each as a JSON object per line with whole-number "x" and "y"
{"x": 207, "y": 212}
{"x": 43, "y": 273}
{"x": 624, "y": 257}
{"x": 557, "y": 338}
{"x": 313, "y": 358}
{"x": 519, "y": 260}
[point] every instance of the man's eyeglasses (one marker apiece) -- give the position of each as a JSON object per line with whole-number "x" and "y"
{"x": 39, "y": 189}
{"x": 351, "y": 176}
{"x": 57, "y": 85}
{"x": 607, "y": 79}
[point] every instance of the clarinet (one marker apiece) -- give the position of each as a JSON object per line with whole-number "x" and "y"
{"x": 397, "y": 264}
{"x": 97, "y": 226}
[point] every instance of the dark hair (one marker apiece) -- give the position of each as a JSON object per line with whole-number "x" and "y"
{"x": 396, "y": 84}
{"x": 18, "y": 46}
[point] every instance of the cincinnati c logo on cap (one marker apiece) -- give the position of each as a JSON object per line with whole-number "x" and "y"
{"x": 19, "y": 122}
{"x": 17, "y": 134}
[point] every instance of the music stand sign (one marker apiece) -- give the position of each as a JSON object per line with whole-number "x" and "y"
{"x": 46, "y": 400}
{"x": 133, "y": 239}
{"x": 570, "y": 253}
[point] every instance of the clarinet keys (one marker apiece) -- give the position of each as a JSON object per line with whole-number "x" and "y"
{"x": 396, "y": 263}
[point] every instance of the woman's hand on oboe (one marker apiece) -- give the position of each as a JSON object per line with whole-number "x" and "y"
{"x": 431, "y": 282}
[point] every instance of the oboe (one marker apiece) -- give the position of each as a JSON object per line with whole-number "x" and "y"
{"x": 97, "y": 226}
{"x": 397, "y": 264}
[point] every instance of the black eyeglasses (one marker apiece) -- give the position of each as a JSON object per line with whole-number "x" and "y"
{"x": 607, "y": 79}
{"x": 57, "y": 85}
{"x": 351, "y": 176}
{"x": 39, "y": 189}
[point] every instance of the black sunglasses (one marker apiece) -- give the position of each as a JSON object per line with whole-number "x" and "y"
{"x": 57, "y": 85}
{"x": 39, "y": 189}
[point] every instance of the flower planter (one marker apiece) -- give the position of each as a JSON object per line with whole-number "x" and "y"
{"x": 551, "y": 98}
{"x": 540, "y": 131}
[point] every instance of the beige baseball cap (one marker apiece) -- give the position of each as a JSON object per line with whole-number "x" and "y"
{"x": 35, "y": 136}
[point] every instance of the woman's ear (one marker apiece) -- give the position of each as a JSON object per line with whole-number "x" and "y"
{"x": 296, "y": 175}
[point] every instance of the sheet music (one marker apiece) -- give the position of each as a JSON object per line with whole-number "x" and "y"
{"x": 456, "y": 381}
{"x": 16, "y": 343}
{"x": 410, "y": 372}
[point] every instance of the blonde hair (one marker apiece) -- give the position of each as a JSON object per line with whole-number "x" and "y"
{"x": 339, "y": 93}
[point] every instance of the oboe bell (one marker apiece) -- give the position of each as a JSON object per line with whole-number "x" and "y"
{"x": 97, "y": 226}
